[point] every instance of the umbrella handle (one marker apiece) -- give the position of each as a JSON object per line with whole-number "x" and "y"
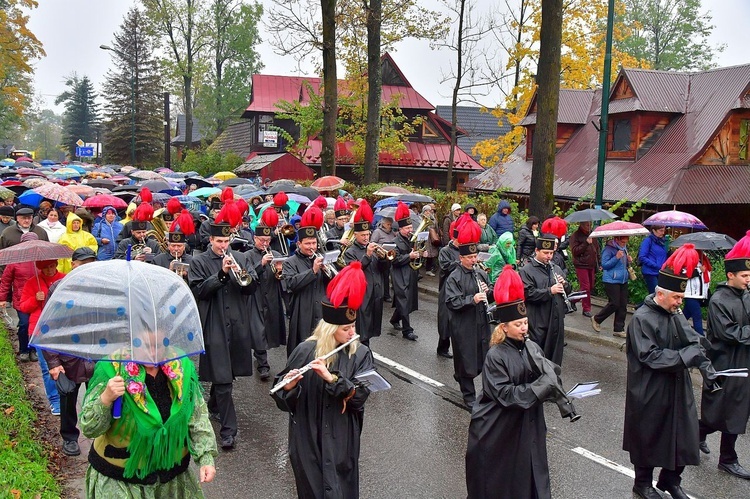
{"x": 117, "y": 408}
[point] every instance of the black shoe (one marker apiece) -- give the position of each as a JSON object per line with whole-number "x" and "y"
{"x": 33, "y": 357}
{"x": 447, "y": 355}
{"x": 227, "y": 442}
{"x": 71, "y": 448}
{"x": 646, "y": 492}
{"x": 396, "y": 326}
{"x": 215, "y": 416}
{"x": 703, "y": 446}
{"x": 411, "y": 337}
{"x": 587, "y": 314}
{"x": 735, "y": 469}
{"x": 265, "y": 373}
{"x": 675, "y": 491}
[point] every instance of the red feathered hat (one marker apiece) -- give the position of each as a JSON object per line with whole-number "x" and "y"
{"x": 310, "y": 223}
{"x": 402, "y": 216}
{"x": 738, "y": 258}
{"x": 678, "y": 268}
{"x": 227, "y": 195}
{"x": 363, "y": 217}
{"x": 229, "y": 214}
{"x": 280, "y": 199}
{"x": 340, "y": 207}
{"x": 242, "y": 206}
{"x": 321, "y": 203}
{"x": 458, "y": 223}
{"x": 142, "y": 216}
{"x": 269, "y": 220}
{"x": 509, "y": 296}
{"x": 346, "y": 292}
{"x": 182, "y": 226}
{"x": 468, "y": 238}
{"x": 556, "y": 226}
{"x": 146, "y": 196}
{"x": 174, "y": 206}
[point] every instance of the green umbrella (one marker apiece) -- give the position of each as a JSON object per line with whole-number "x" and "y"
{"x": 6, "y": 193}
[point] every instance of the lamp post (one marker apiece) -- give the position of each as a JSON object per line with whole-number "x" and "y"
{"x": 603, "y": 127}
{"x": 132, "y": 101}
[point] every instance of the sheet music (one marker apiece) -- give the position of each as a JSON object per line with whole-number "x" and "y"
{"x": 422, "y": 236}
{"x": 279, "y": 259}
{"x": 583, "y": 390}
{"x": 331, "y": 256}
{"x": 483, "y": 256}
{"x": 389, "y": 246}
{"x": 373, "y": 381}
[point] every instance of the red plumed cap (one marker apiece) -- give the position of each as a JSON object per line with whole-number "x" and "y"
{"x": 227, "y": 195}
{"x": 508, "y": 287}
{"x": 469, "y": 233}
{"x": 242, "y": 206}
{"x": 312, "y": 217}
{"x": 340, "y": 204}
{"x": 280, "y": 199}
{"x": 364, "y": 212}
{"x": 269, "y": 218}
{"x": 463, "y": 219}
{"x": 348, "y": 286}
{"x": 146, "y": 196}
{"x": 184, "y": 222}
{"x": 229, "y": 213}
{"x": 321, "y": 202}
{"x": 685, "y": 258}
{"x": 174, "y": 206}
{"x": 741, "y": 249}
{"x": 144, "y": 212}
{"x": 402, "y": 212}
{"x": 556, "y": 226}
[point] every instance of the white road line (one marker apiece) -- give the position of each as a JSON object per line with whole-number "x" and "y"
{"x": 406, "y": 370}
{"x": 608, "y": 464}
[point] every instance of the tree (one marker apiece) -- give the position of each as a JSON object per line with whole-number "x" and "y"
{"x": 133, "y": 109}
{"x": 44, "y": 134}
{"x": 81, "y": 112}
{"x": 330, "y": 88}
{"x": 232, "y": 40}
{"x": 669, "y": 34}
{"x": 18, "y": 49}
{"x": 374, "y": 15}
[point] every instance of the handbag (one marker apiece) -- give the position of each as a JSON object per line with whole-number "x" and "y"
{"x": 631, "y": 273}
{"x": 64, "y": 384}
{"x": 434, "y": 237}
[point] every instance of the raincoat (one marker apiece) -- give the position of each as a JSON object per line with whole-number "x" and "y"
{"x": 499, "y": 222}
{"x": 75, "y": 240}
{"x": 501, "y": 255}
{"x": 105, "y": 230}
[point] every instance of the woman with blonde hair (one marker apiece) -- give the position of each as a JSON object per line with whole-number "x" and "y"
{"x": 326, "y": 403}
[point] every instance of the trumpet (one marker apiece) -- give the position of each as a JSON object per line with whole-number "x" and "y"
{"x": 419, "y": 246}
{"x": 277, "y": 272}
{"x": 384, "y": 254}
{"x": 241, "y": 276}
{"x": 302, "y": 370}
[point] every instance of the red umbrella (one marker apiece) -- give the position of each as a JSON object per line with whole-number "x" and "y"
{"x": 102, "y": 200}
{"x": 34, "y": 251}
{"x": 328, "y": 183}
{"x": 24, "y": 158}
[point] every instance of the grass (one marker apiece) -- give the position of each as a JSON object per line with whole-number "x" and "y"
{"x": 22, "y": 457}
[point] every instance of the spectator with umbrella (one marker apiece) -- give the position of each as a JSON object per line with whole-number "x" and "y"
{"x": 107, "y": 228}
{"x": 12, "y": 235}
{"x": 52, "y": 225}
{"x": 652, "y": 254}
{"x": 75, "y": 237}
{"x": 585, "y": 261}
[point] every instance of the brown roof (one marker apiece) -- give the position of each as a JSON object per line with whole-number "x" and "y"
{"x": 237, "y": 138}
{"x": 665, "y": 174}
{"x": 573, "y": 108}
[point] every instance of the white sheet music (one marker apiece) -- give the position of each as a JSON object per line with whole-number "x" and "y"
{"x": 373, "y": 381}
{"x": 483, "y": 256}
{"x": 331, "y": 256}
{"x": 583, "y": 390}
{"x": 422, "y": 236}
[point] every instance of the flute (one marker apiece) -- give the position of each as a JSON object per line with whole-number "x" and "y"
{"x": 302, "y": 370}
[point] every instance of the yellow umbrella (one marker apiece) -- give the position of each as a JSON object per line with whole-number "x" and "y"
{"x": 224, "y": 175}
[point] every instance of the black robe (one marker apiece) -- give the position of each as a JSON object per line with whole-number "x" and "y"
{"x": 506, "y": 456}
{"x": 165, "y": 259}
{"x": 323, "y": 442}
{"x": 546, "y": 311}
{"x": 274, "y": 320}
{"x": 222, "y": 306}
{"x": 405, "y": 290}
{"x": 336, "y": 234}
{"x": 729, "y": 333}
{"x": 468, "y": 322}
{"x": 661, "y": 422}
{"x": 370, "y": 314}
{"x": 448, "y": 261}
{"x": 307, "y": 290}
{"x": 122, "y": 247}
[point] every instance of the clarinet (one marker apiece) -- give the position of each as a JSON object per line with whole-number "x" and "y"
{"x": 564, "y": 294}
{"x": 488, "y": 310}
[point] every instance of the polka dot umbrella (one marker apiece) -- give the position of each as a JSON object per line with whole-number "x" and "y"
{"x": 117, "y": 309}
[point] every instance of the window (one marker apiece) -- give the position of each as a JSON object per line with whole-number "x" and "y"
{"x": 744, "y": 132}
{"x": 621, "y": 135}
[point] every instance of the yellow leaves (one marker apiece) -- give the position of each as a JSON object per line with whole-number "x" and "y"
{"x": 10, "y": 410}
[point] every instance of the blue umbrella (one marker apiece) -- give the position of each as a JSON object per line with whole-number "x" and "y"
{"x": 204, "y": 192}
{"x": 30, "y": 198}
{"x": 392, "y": 201}
{"x": 47, "y": 162}
{"x": 190, "y": 202}
{"x": 7, "y": 162}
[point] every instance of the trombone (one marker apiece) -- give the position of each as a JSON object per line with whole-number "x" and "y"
{"x": 419, "y": 246}
{"x": 285, "y": 230}
{"x": 241, "y": 276}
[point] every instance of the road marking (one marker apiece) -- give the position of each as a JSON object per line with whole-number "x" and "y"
{"x": 407, "y": 371}
{"x": 609, "y": 464}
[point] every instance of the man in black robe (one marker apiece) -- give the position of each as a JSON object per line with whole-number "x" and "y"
{"x": 146, "y": 247}
{"x": 661, "y": 421}
{"x": 544, "y": 286}
{"x": 339, "y": 227}
{"x": 306, "y": 282}
{"x": 223, "y": 304}
{"x": 448, "y": 261}
{"x": 370, "y": 315}
{"x": 727, "y": 410}
{"x": 384, "y": 234}
{"x": 176, "y": 259}
{"x": 466, "y": 298}
{"x": 405, "y": 290}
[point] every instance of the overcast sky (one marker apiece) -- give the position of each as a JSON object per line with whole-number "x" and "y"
{"x": 73, "y": 30}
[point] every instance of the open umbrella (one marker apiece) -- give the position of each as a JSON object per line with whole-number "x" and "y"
{"x": 102, "y": 200}
{"x": 34, "y": 251}
{"x": 27, "y": 172}
{"x": 118, "y": 310}
{"x": 619, "y": 229}
{"x": 224, "y": 175}
{"x": 85, "y": 191}
{"x": 102, "y": 182}
{"x": 235, "y": 181}
{"x": 159, "y": 186}
{"x": 414, "y": 198}
{"x": 299, "y": 198}
{"x": 204, "y": 192}
{"x": 145, "y": 175}
{"x": 281, "y": 186}
{"x": 705, "y": 241}
{"x": 189, "y": 202}
{"x": 391, "y": 190}
{"x": 59, "y": 194}
{"x": 7, "y": 162}
{"x": 24, "y": 158}
{"x": 47, "y": 162}
{"x": 127, "y": 169}
{"x": 328, "y": 183}
{"x": 34, "y": 182}
{"x": 6, "y": 193}
{"x": 674, "y": 218}
{"x": 197, "y": 181}
{"x": 590, "y": 215}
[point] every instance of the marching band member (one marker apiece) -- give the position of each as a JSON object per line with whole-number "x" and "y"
{"x": 326, "y": 403}
{"x": 139, "y": 227}
{"x": 467, "y": 298}
{"x": 279, "y": 242}
{"x": 370, "y": 315}
{"x": 305, "y": 280}
{"x": 447, "y": 261}
{"x": 342, "y": 218}
{"x": 223, "y": 306}
{"x": 181, "y": 228}
{"x": 405, "y": 290}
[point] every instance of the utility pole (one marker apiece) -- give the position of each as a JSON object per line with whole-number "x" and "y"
{"x": 167, "y": 127}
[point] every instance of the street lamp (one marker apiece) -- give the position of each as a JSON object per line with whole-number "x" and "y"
{"x": 132, "y": 101}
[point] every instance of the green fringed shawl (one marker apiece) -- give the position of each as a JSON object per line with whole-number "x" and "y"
{"x": 153, "y": 445}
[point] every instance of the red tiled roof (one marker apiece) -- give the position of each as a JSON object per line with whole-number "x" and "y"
{"x": 417, "y": 155}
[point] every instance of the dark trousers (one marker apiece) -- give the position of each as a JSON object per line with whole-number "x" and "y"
{"x": 261, "y": 359}
{"x": 727, "y": 454}
{"x": 443, "y": 345}
{"x": 586, "y": 283}
{"x": 468, "y": 391}
{"x": 429, "y": 263}
{"x": 23, "y": 332}
{"x": 220, "y": 402}
{"x": 692, "y": 310}
{"x": 644, "y": 476}
{"x": 404, "y": 319}
{"x": 69, "y": 416}
{"x": 617, "y": 303}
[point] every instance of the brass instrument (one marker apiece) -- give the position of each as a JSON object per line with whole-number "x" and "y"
{"x": 285, "y": 229}
{"x": 568, "y": 303}
{"x": 241, "y": 276}
{"x": 159, "y": 232}
{"x": 384, "y": 254}
{"x": 419, "y": 246}
{"x": 341, "y": 261}
{"x": 330, "y": 268}
{"x": 278, "y": 273}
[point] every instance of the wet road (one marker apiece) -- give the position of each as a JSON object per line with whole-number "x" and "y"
{"x": 414, "y": 436}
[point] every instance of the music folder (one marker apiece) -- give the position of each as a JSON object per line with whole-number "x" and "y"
{"x": 373, "y": 381}
{"x": 583, "y": 390}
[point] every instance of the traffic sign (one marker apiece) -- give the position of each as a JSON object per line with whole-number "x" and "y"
{"x": 85, "y": 152}
{"x": 80, "y": 143}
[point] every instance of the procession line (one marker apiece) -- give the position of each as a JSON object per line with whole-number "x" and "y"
{"x": 407, "y": 371}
